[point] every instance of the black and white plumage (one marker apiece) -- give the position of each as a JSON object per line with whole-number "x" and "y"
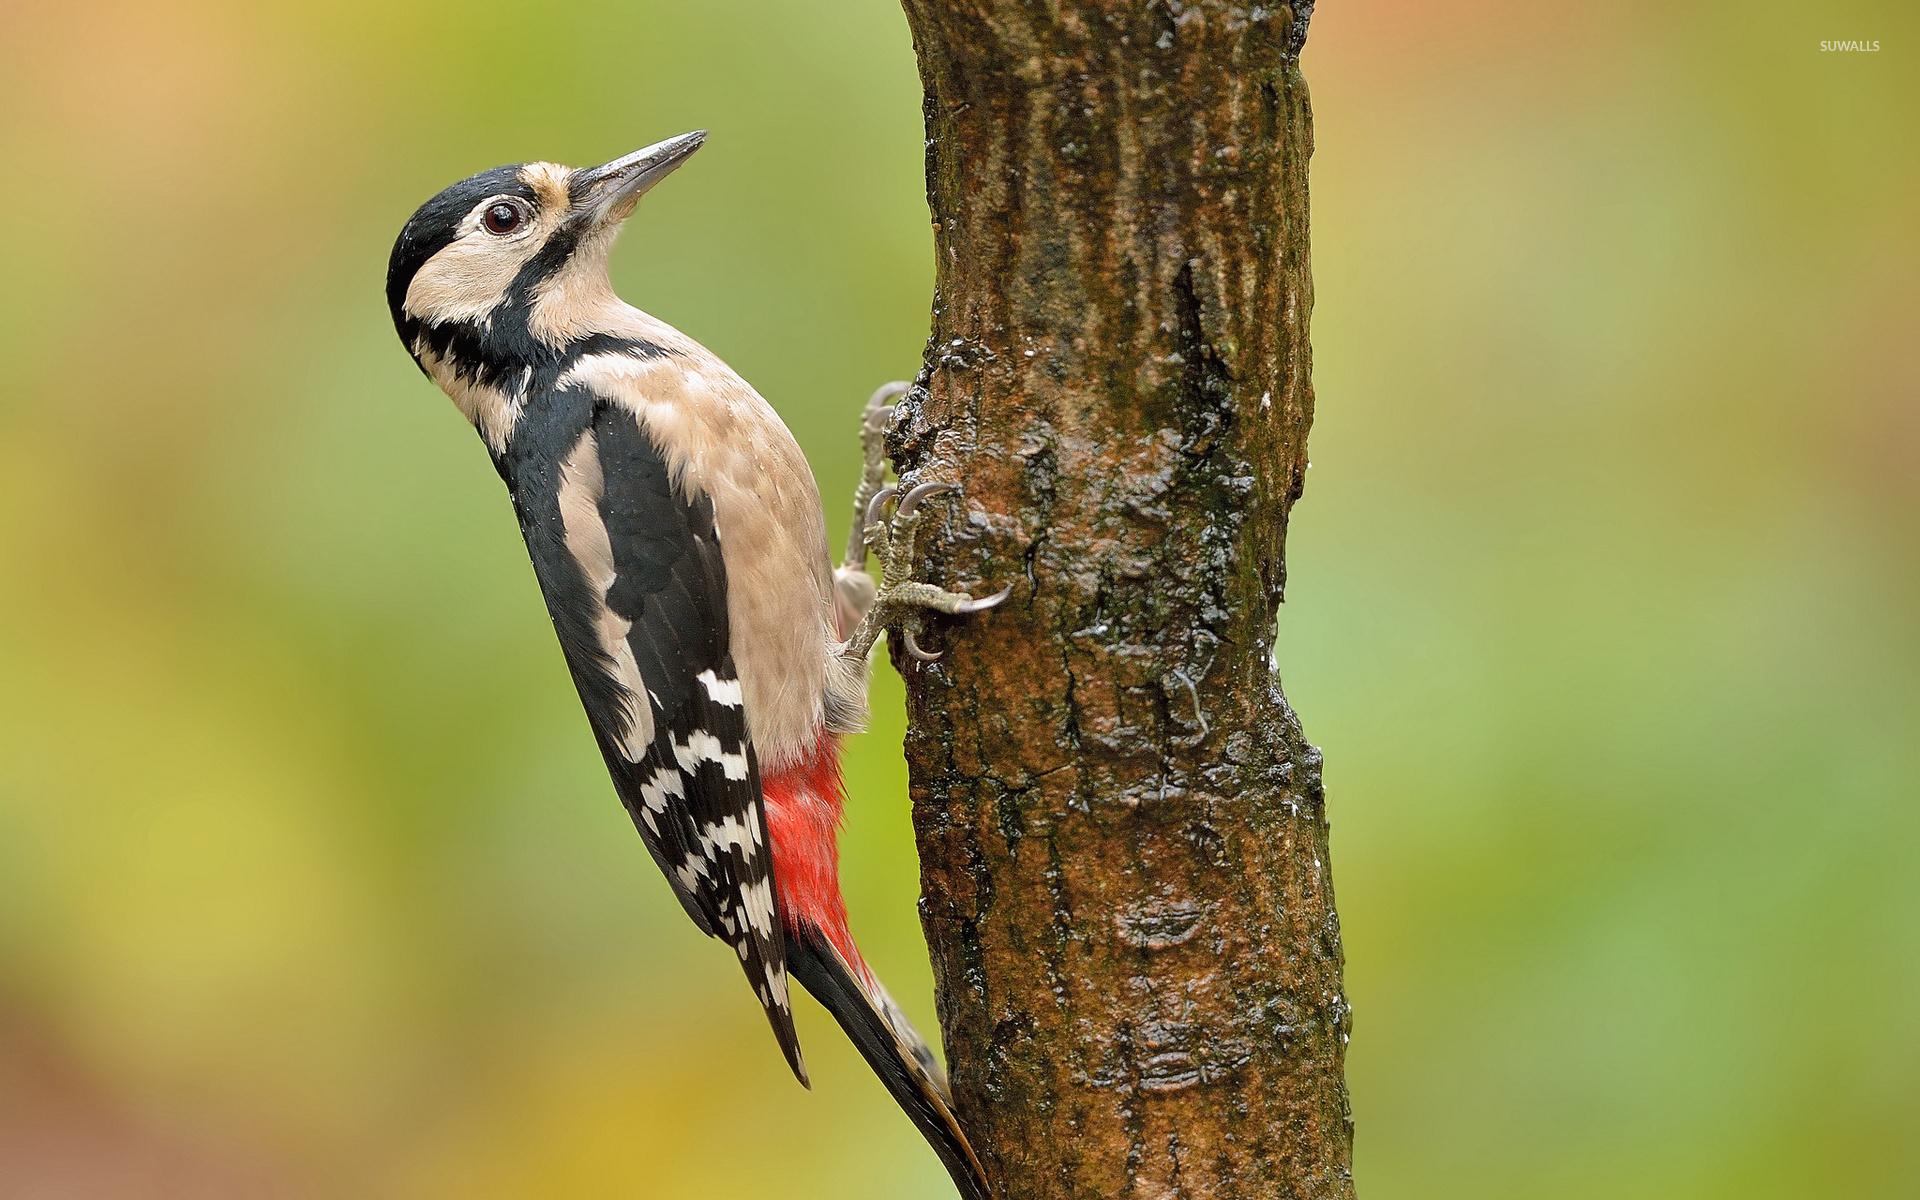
{"x": 636, "y": 586}
{"x": 630, "y": 566}
{"x": 676, "y": 533}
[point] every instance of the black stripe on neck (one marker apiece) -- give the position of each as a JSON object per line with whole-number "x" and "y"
{"x": 493, "y": 352}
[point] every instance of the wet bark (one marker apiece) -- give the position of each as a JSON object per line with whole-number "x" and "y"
{"x": 1121, "y": 827}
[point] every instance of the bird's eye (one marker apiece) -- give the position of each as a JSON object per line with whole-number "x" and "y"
{"x": 502, "y": 218}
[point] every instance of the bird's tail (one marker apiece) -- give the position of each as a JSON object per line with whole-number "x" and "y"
{"x": 898, "y": 1055}
{"x": 804, "y": 803}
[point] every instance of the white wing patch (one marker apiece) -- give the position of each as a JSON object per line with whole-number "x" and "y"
{"x": 721, "y": 691}
{"x": 701, "y": 746}
{"x": 587, "y": 541}
{"x": 666, "y": 784}
{"x": 758, "y": 901}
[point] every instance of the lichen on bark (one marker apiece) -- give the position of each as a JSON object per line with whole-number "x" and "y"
{"x": 1121, "y": 826}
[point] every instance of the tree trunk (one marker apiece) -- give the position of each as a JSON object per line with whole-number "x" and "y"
{"x": 1121, "y": 827}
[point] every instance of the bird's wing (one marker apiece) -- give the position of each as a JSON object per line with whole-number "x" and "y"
{"x": 635, "y": 582}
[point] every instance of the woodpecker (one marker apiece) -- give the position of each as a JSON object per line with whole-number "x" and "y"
{"x": 677, "y": 535}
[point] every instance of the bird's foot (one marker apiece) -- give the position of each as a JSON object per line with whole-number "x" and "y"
{"x": 900, "y": 599}
{"x": 874, "y": 420}
{"x": 853, "y": 589}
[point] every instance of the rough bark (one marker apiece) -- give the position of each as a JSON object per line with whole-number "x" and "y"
{"x": 1121, "y": 827}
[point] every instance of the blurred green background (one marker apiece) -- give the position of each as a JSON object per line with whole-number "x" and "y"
{"x": 1604, "y": 601}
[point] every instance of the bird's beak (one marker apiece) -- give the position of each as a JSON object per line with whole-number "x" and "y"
{"x": 608, "y": 193}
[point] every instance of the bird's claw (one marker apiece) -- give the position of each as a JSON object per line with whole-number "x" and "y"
{"x": 863, "y": 608}
{"x": 980, "y": 604}
{"x": 871, "y": 515}
{"x": 874, "y": 420}
{"x": 878, "y": 534}
{"x": 899, "y": 595}
{"x": 910, "y": 503}
{"x": 913, "y": 649}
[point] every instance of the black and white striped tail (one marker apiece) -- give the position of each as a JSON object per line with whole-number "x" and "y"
{"x": 896, "y": 1053}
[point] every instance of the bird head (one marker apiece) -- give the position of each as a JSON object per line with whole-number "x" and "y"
{"x": 507, "y": 266}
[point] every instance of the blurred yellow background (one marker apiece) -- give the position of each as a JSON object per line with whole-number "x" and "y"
{"x": 1603, "y": 605}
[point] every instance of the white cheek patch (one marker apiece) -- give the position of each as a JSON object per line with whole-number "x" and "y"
{"x": 468, "y": 278}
